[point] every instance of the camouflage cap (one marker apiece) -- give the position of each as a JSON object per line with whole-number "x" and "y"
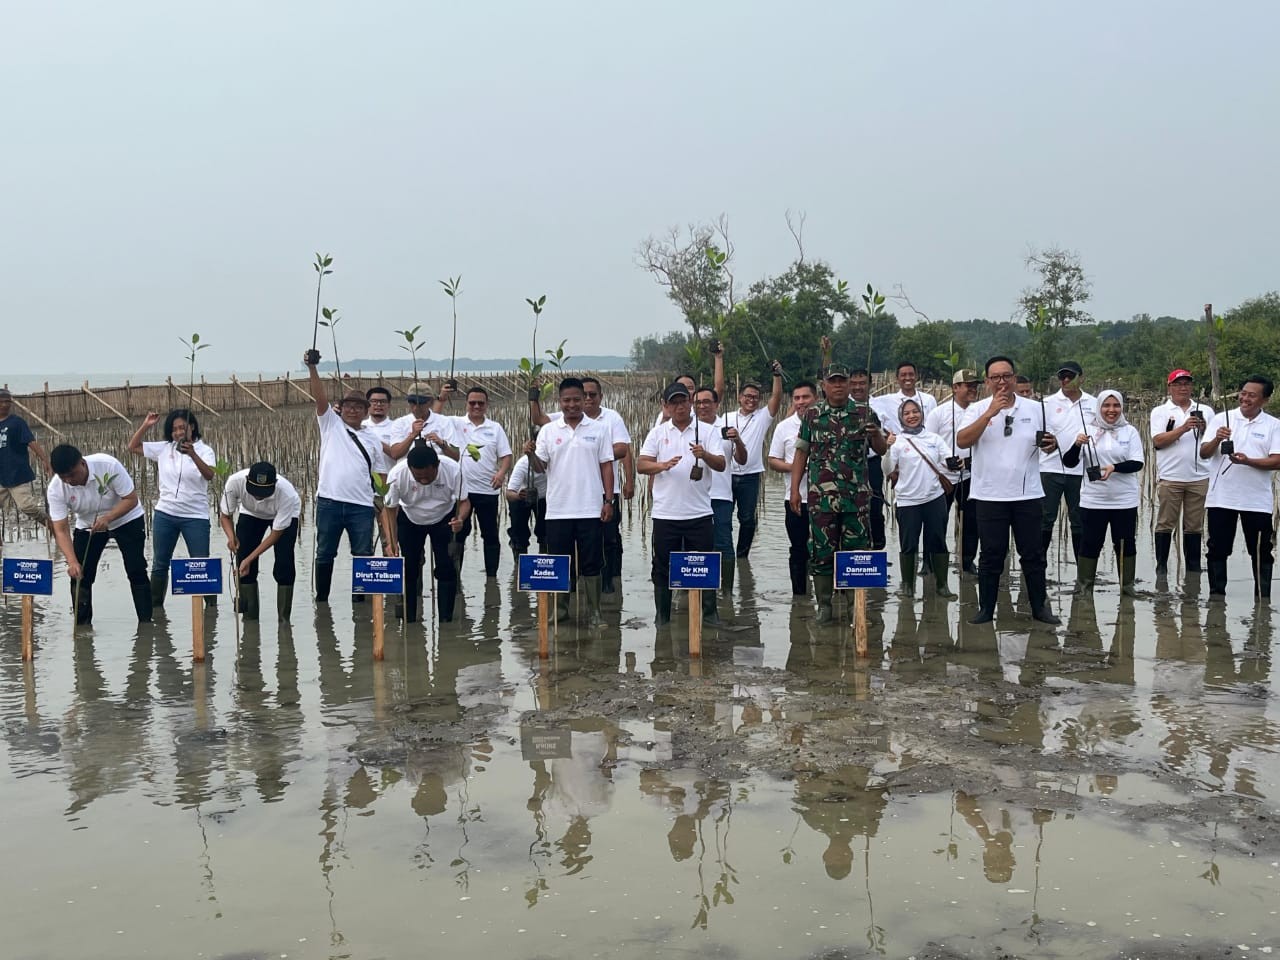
{"x": 836, "y": 371}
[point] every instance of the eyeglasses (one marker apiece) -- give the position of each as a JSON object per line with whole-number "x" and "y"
{"x": 754, "y": 397}
{"x": 377, "y": 400}
{"x": 705, "y": 401}
{"x": 416, "y": 400}
{"x": 1008, "y": 425}
{"x": 1001, "y": 377}
{"x": 477, "y": 403}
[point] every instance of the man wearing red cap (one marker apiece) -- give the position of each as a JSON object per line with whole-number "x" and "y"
{"x": 1182, "y": 477}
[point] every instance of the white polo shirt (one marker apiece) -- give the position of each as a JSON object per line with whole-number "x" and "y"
{"x": 281, "y": 508}
{"x": 1066, "y": 421}
{"x": 722, "y": 482}
{"x": 1119, "y": 491}
{"x": 183, "y": 491}
{"x": 436, "y": 423}
{"x": 573, "y": 456}
{"x": 1180, "y": 460}
{"x": 752, "y": 429}
{"x": 917, "y": 483}
{"x": 675, "y": 495}
{"x": 618, "y": 432}
{"x": 344, "y": 472}
{"x": 1236, "y": 486}
{"x": 519, "y": 478}
{"x": 386, "y": 430}
{"x": 108, "y": 484}
{"x": 491, "y": 443}
{"x": 783, "y": 447}
{"x": 946, "y": 420}
{"x": 424, "y": 503}
{"x": 1006, "y": 468}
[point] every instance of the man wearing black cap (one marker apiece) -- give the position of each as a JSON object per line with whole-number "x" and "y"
{"x": 268, "y": 508}
{"x": 680, "y": 456}
{"x": 1066, "y": 414}
{"x": 1182, "y": 477}
{"x": 831, "y": 451}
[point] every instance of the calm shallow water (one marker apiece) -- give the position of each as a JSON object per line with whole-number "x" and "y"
{"x": 1087, "y": 791}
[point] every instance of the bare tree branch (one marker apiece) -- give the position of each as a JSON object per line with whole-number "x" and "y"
{"x": 796, "y": 229}
{"x": 900, "y": 297}
{"x": 722, "y": 229}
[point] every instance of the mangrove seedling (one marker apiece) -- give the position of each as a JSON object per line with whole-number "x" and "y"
{"x": 330, "y": 320}
{"x": 873, "y": 304}
{"x": 194, "y": 346}
{"x": 453, "y": 288}
{"x": 411, "y": 346}
{"x": 321, "y": 267}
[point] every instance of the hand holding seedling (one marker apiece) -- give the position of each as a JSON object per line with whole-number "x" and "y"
{"x": 456, "y": 524}
{"x": 417, "y": 427}
{"x": 73, "y": 568}
{"x": 99, "y": 524}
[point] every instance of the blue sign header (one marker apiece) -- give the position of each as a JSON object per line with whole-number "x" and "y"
{"x": 196, "y": 577}
{"x": 861, "y": 568}
{"x": 24, "y": 577}
{"x": 544, "y": 573}
{"x": 695, "y": 571}
{"x": 377, "y": 575}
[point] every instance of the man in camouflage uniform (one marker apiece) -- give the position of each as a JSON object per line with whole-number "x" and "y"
{"x": 832, "y": 447}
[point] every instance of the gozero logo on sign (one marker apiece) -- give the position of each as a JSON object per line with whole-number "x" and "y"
{"x": 23, "y": 577}
{"x": 861, "y": 568}
{"x": 695, "y": 571}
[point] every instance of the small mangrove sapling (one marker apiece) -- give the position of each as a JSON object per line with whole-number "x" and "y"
{"x": 411, "y": 346}
{"x": 453, "y": 289}
{"x": 330, "y": 320}
{"x": 321, "y": 267}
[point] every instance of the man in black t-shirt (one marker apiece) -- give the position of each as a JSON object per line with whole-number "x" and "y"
{"x": 16, "y": 477}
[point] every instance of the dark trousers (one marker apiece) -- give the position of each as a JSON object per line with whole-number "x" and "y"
{"x": 131, "y": 538}
{"x": 611, "y": 543}
{"x": 968, "y": 508}
{"x": 1123, "y": 524}
{"x": 746, "y": 494}
{"x": 582, "y": 537}
{"x": 250, "y": 532}
{"x": 1258, "y": 534}
{"x": 1056, "y": 486}
{"x": 875, "y": 478}
{"x": 678, "y": 535}
{"x": 484, "y": 510}
{"x": 519, "y": 513}
{"x": 996, "y": 519}
{"x": 798, "y": 559}
{"x": 930, "y": 517}
{"x": 413, "y": 548}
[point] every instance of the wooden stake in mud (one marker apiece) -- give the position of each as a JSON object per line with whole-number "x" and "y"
{"x": 695, "y": 623}
{"x": 378, "y": 629}
{"x": 860, "y": 622}
{"x": 28, "y": 627}
{"x": 197, "y": 628}
{"x": 544, "y": 642}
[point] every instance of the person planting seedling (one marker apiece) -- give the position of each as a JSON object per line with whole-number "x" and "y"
{"x": 265, "y": 508}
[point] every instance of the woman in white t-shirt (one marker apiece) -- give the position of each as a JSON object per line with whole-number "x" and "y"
{"x": 1112, "y": 456}
{"x": 914, "y": 463}
{"x": 184, "y": 467}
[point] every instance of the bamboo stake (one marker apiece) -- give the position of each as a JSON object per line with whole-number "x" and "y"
{"x": 379, "y": 628}
{"x": 28, "y": 627}
{"x": 695, "y": 623}
{"x": 543, "y": 639}
{"x": 192, "y": 397}
{"x": 860, "y": 621}
{"x": 197, "y": 628}
{"x": 90, "y": 393}
{"x": 37, "y": 418}
{"x": 250, "y": 392}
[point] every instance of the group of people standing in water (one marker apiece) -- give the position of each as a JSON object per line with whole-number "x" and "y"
{"x": 1005, "y": 462}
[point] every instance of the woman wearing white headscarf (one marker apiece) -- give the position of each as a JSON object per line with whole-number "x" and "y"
{"x": 1112, "y": 455}
{"x": 914, "y": 463}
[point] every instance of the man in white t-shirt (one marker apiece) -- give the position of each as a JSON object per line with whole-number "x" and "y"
{"x": 1005, "y": 437}
{"x": 782, "y": 451}
{"x": 1182, "y": 478}
{"x": 577, "y": 455}
{"x": 945, "y": 421}
{"x": 526, "y": 506}
{"x": 1065, "y": 414}
{"x": 624, "y": 471}
{"x": 350, "y": 459}
{"x": 379, "y": 420}
{"x": 99, "y": 493}
{"x": 1240, "y": 485}
{"x": 265, "y": 508}
{"x": 424, "y": 503}
{"x": 680, "y": 455}
{"x": 752, "y": 425}
{"x": 706, "y": 407}
{"x": 423, "y": 425}
{"x": 486, "y": 462}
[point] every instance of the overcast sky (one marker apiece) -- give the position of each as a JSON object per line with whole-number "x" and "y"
{"x": 172, "y": 167}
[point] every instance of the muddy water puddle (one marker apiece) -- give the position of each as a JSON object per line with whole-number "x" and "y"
{"x": 1109, "y": 788}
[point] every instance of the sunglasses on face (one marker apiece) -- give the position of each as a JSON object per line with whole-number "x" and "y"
{"x": 477, "y": 403}
{"x": 418, "y": 400}
{"x": 1066, "y": 375}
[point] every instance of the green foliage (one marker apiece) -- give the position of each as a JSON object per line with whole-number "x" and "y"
{"x": 863, "y": 340}
{"x": 694, "y": 272}
{"x": 194, "y": 346}
{"x": 1058, "y": 299}
{"x": 411, "y": 346}
{"x": 557, "y": 358}
{"x": 932, "y": 346}
{"x": 331, "y": 320}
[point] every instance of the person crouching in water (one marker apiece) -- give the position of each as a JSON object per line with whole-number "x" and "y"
{"x": 99, "y": 492}
{"x": 1112, "y": 455}
{"x": 268, "y": 508}
{"x": 425, "y": 501}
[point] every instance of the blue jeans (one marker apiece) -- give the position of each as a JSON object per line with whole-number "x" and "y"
{"x": 722, "y": 529}
{"x": 746, "y": 494}
{"x": 333, "y": 517}
{"x": 165, "y": 530}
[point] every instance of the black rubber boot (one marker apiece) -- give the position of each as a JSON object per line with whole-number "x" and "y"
{"x": 1191, "y": 548}
{"x": 907, "y": 561}
{"x": 284, "y": 602}
{"x": 1217, "y": 578}
{"x": 662, "y": 604}
{"x": 159, "y": 587}
{"x": 141, "y": 601}
{"x": 1086, "y": 574}
{"x": 249, "y": 600}
{"x": 1038, "y": 594}
{"x": 492, "y": 551}
{"x": 1163, "y": 542}
{"x": 324, "y": 580}
{"x": 938, "y": 563}
{"x": 446, "y": 598}
{"x": 1128, "y": 567}
{"x": 83, "y": 600}
{"x": 591, "y": 589}
{"x": 1262, "y": 581}
{"x": 988, "y": 590}
{"x": 799, "y": 570}
{"x": 728, "y": 570}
